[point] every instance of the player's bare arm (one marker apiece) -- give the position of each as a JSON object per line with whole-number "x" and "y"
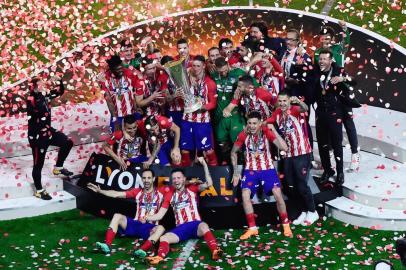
{"x": 175, "y": 152}
{"x": 237, "y": 173}
{"x": 301, "y": 104}
{"x": 209, "y": 180}
{"x": 280, "y": 143}
{"x": 108, "y": 193}
{"x": 109, "y": 150}
{"x": 157, "y": 147}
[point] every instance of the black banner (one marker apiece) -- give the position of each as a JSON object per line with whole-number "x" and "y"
{"x": 102, "y": 170}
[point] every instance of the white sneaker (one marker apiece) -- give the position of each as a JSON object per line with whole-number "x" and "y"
{"x": 355, "y": 160}
{"x": 311, "y": 217}
{"x": 316, "y": 165}
{"x": 332, "y": 159}
{"x": 300, "y": 219}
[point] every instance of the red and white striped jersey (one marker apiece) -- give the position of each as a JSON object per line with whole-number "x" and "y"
{"x": 206, "y": 90}
{"x": 126, "y": 149}
{"x": 258, "y": 149}
{"x": 121, "y": 91}
{"x": 148, "y": 203}
{"x": 175, "y": 105}
{"x": 185, "y": 204}
{"x": 158, "y": 83}
{"x": 293, "y": 129}
{"x": 259, "y": 100}
{"x": 165, "y": 125}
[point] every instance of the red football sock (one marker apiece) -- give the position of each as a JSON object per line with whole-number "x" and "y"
{"x": 110, "y": 234}
{"x": 146, "y": 245}
{"x": 186, "y": 162}
{"x": 211, "y": 158}
{"x": 210, "y": 240}
{"x": 163, "y": 249}
{"x": 251, "y": 220}
{"x": 284, "y": 217}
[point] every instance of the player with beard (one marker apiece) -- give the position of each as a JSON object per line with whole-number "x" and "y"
{"x": 151, "y": 98}
{"x": 226, "y": 47}
{"x": 127, "y": 145}
{"x": 184, "y": 201}
{"x": 259, "y": 170}
{"x": 212, "y": 54}
{"x": 149, "y": 201}
{"x": 296, "y": 163}
{"x": 163, "y": 137}
{"x": 251, "y": 98}
{"x": 226, "y": 128}
{"x": 119, "y": 85}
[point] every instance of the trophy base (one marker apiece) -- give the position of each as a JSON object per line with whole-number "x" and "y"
{"x": 193, "y": 107}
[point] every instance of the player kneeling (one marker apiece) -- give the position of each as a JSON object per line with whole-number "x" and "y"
{"x": 149, "y": 201}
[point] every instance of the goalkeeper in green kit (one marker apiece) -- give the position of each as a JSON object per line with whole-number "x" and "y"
{"x": 226, "y": 129}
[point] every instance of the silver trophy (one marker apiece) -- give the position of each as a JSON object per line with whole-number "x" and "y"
{"x": 178, "y": 75}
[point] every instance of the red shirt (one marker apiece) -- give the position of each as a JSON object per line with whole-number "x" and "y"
{"x": 121, "y": 91}
{"x": 294, "y": 130}
{"x": 188, "y": 61}
{"x": 258, "y": 151}
{"x": 207, "y": 93}
{"x": 237, "y": 61}
{"x": 259, "y": 100}
{"x": 148, "y": 203}
{"x": 185, "y": 204}
{"x": 165, "y": 125}
{"x": 273, "y": 81}
{"x": 158, "y": 83}
{"x": 124, "y": 148}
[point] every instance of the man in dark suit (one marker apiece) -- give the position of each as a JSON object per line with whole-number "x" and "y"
{"x": 258, "y": 36}
{"x": 296, "y": 64}
{"x": 330, "y": 86}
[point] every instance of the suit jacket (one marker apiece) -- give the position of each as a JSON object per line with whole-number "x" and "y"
{"x": 300, "y": 71}
{"x": 330, "y": 99}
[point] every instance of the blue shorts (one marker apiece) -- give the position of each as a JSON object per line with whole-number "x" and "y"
{"x": 196, "y": 136}
{"x": 176, "y": 117}
{"x": 164, "y": 154}
{"x": 136, "y": 229}
{"x": 138, "y": 159}
{"x": 187, "y": 230}
{"x": 268, "y": 179}
{"x": 137, "y": 116}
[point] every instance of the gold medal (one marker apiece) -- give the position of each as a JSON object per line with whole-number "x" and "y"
{"x": 323, "y": 92}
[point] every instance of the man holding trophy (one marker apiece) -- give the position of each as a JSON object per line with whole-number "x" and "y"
{"x": 199, "y": 94}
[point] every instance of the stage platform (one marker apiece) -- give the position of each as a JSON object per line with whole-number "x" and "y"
{"x": 374, "y": 197}
{"x": 17, "y": 187}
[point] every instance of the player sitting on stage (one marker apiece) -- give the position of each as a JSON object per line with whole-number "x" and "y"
{"x": 149, "y": 200}
{"x": 165, "y": 146}
{"x": 258, "y": 170}
{"x": 184, "y": 201}
{"x": 127, "y": 145}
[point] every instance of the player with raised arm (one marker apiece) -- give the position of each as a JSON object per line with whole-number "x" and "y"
{"x": 149, "y": 201}
{"x": 259, "y": 170}
{"x": 184, "y": 201}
